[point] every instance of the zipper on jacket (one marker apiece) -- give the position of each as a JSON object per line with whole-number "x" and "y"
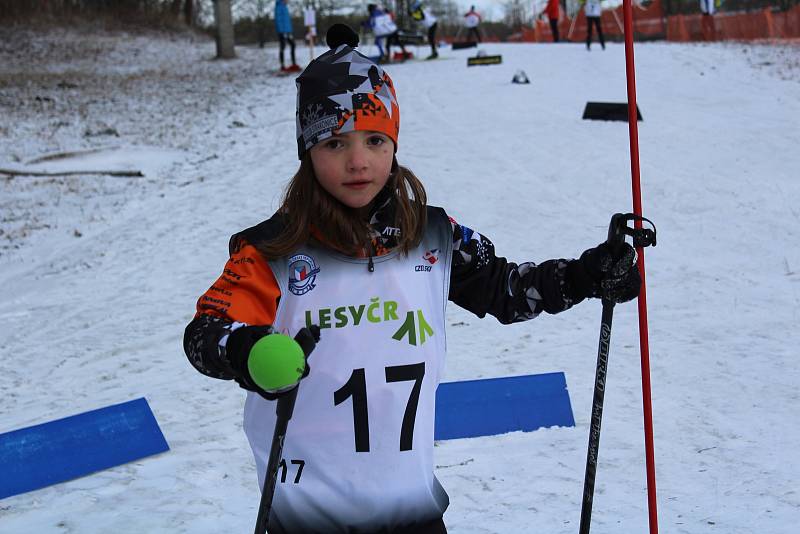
{"x": 371, "y": 252}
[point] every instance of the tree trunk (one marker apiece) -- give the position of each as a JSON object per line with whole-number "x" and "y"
{"x": 224, "y": 19}
{"x": 188, "y": 12}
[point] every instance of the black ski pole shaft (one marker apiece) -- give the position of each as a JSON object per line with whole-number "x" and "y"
{"x": 284, "y": 412}
{"x": 597, "y": 416}
{"x": 616, "y": 237}
{"x": 307, "y": 338}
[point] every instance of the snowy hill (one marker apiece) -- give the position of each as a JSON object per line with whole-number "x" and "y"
{"x": 100, "y": 274}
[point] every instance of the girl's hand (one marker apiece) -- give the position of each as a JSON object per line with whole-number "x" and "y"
{"x": 265, "y": 362}
{"x": 600, "y": 274}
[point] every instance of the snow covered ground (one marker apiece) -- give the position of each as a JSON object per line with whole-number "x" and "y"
{"x": 100, "y": 274}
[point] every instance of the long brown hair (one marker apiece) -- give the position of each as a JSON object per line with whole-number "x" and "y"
{"x": 307, "y": 203}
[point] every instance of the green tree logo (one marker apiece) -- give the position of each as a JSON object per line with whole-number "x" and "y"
{"x": 409, "y": 328}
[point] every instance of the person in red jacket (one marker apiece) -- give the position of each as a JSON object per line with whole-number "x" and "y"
{"x": 553, "y": 11}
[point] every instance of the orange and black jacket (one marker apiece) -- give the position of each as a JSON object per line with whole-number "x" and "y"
{"x": 480, "y": 282}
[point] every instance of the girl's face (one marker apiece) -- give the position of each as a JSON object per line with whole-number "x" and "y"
{"x": 353, "y": 167}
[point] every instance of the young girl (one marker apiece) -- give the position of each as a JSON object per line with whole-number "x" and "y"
{"x": 355, "y": 249}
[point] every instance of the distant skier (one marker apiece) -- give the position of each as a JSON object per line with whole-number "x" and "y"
{"x": 355, "y": 249}
{"x": 472, "y": 19}
{"x": 553, "y": 12}
{"x": 592, "y": 10}
{"x": 385, "y": 29}
{"x": 310, "y": 22}
{"x": 283, "y": 26}
{"x": 421, "y": 14}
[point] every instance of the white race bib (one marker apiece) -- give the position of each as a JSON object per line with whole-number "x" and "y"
{"x": 358, "y": 452}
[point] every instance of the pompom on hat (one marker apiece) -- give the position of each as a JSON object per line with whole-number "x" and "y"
{"x": 344, "y": 91}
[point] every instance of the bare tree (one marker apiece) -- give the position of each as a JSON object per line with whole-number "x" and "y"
{"x": 516, "y": 13}
{"x": 183, "y": 8}
{"x": 254, "y": 9}
{"x": 261, "y": 18}
{"x": 329, "y": 11}
{"x": 188, "y": 12}
{"x": 223, "y": 17}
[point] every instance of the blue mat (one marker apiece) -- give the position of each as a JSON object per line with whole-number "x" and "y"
{"x": 498, "y": 405}
{"x": 61, "y": 450}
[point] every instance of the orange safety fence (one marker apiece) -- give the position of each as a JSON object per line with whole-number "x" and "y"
{"x": 650, "y": 24}
{"x": 764, "y": 24}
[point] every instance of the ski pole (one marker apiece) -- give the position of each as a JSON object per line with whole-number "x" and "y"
{"x": 307, "y": 339}
{"x": 642, "y": 237}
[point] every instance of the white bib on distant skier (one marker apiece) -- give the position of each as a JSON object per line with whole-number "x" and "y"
{"x": 592, "y": 8}
{"x": 309, "y": 16}
{"x": 707, "y": 7}
{"x": 358, "y": 452}
{"x": 428, "y": 19}
{"x": 383, "y": 25}
{"x": 471, "y": 20}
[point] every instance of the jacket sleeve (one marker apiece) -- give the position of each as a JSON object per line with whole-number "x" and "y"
{"x": 245, "y": 294}
{"x": 482, "y": 282}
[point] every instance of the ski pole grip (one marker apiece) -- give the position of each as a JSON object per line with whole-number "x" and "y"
{"x": 616, "y": 232}
{"x": 277, "y": 362}
{"x": 307, "y": 338}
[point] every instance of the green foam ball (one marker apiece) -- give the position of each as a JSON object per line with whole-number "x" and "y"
{"x": 276, "y": 361}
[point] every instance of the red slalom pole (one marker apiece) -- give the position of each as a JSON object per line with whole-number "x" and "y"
{"x": 637, "y": 209}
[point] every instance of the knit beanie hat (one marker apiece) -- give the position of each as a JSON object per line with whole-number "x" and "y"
{"x": 344, "y": 91}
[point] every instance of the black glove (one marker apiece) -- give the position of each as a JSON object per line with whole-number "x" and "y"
{"x": 600, "y": 274}
{"x": 237, "y": 349}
